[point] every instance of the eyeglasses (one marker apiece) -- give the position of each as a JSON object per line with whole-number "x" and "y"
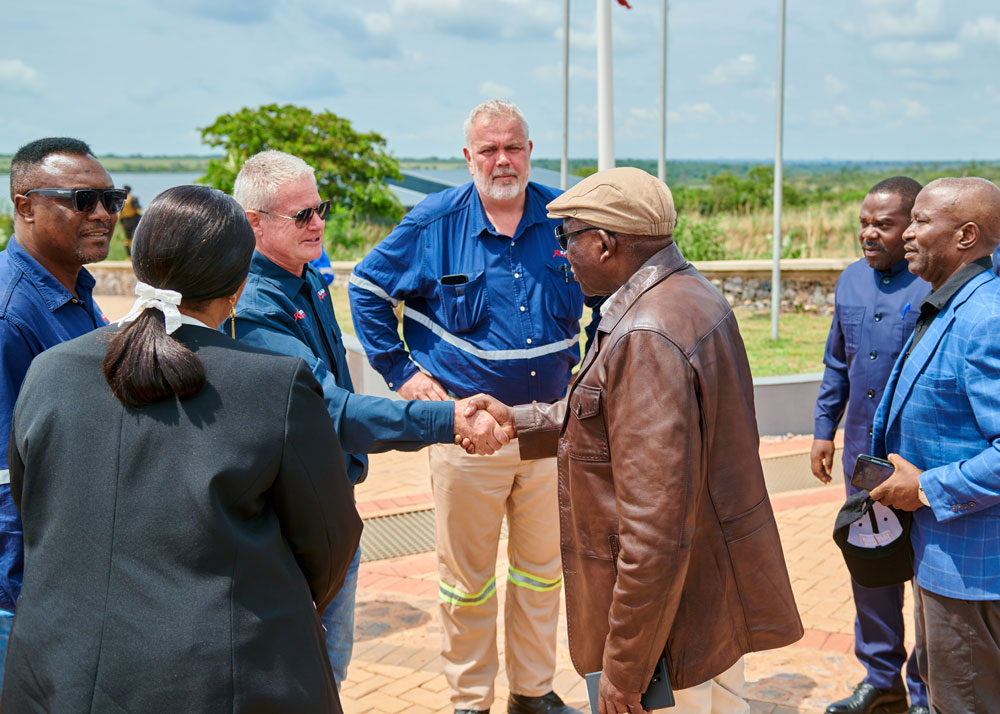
{"x": 562, "y": 237}
{"x": 85, "y": 199}
{"x": 305, "y": 215}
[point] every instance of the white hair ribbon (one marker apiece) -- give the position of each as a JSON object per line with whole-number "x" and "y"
{"x": 166, "y": 301}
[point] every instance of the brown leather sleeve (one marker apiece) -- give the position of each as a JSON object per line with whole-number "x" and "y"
{"x": 655, "y": 438}
{"x": 538, "y": 427}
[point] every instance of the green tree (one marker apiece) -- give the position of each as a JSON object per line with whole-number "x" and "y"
{"x": 351, "y": 167}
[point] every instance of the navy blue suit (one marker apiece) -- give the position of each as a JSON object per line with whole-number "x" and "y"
{"x": 874, "y": 314}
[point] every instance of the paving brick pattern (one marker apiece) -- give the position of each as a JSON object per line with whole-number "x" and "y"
{"x": 397, "y": 668}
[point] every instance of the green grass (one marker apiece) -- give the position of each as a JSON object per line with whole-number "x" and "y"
{"x": 799, "y": 351}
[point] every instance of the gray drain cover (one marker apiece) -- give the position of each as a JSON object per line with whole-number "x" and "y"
{"x": 402, "y": 534}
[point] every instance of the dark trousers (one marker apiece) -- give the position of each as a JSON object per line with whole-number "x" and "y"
{"x": 878, "y": 641}
{"x": 958, "y": 650}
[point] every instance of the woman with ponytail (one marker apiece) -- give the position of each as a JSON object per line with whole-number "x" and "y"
{"x": 185, "y": 507}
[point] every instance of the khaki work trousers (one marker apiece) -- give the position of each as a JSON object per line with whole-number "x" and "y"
{"x": 471, "y": 496}
{"x": 722, "y": 694}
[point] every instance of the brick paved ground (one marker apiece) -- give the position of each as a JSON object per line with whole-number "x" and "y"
{"x": 397, "y": 668}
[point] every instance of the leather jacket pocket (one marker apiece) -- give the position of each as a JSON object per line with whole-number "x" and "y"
{"x": 616, "y": 548}
{"x": 586, "y": 434}
{"x": 463, "y": 302}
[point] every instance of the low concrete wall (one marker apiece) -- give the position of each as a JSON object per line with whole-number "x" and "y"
{"x": 807, "y": 285}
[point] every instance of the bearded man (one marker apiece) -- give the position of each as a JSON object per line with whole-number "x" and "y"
{"x": 491, "y": 306}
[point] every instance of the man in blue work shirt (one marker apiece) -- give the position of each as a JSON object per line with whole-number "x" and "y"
{"x": 490, "y": 305}
{"x": 877, "y": 304}
{"x": 65, "y": 210}
{"x": 286, "y": 308}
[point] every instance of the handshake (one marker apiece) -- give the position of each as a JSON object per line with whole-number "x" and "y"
{"x": 483, "y": 424}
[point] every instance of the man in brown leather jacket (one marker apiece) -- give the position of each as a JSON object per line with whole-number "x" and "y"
{"x": 669, "y": 544}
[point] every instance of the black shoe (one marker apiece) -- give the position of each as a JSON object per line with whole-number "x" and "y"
{"x": 919, "y": 710}
{"x": 870, "y": 700}
{"x": 546, "y": 704}
{"x": 472, "y": 711}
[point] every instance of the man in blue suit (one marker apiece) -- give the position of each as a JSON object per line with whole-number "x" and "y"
{"x": 939, "y": 423}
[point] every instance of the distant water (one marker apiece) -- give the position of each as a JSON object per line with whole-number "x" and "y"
{"x": 144, "y": 185}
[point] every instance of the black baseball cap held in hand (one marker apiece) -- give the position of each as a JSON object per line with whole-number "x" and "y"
{"x": 875, "y": 541}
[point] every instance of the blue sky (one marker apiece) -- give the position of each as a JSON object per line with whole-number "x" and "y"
{"x": 865, "y": 79}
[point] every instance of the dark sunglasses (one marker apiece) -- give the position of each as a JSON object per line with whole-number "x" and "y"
{"x": 85, "y": 199}
{"x": 305, "y": 215}
{"x": 562, "y": 236}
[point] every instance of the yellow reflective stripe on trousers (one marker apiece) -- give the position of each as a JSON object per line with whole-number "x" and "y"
{"x": 457, "y": 597}
{"x": 532, "y": 582}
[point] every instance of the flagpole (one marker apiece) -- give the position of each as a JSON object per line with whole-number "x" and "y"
{"x": 661, "y": 164}
{"x": 605, "y": 89}
{"x": 564, "y": 163}
{"x": 778, "y": 183}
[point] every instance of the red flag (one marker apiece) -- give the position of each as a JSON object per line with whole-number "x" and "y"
{"x": 625, "y": 3}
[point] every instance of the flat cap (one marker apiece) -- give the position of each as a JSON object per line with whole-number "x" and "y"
{"x": 625, "y": 199}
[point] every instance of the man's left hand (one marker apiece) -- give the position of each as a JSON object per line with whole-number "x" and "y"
{"x": 902, "y": 489}
{"x": 612, "y": 700}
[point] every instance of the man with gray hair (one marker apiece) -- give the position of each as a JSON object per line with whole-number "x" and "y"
{"x": 490, "y": 305}
{"x": 286, "y": 308}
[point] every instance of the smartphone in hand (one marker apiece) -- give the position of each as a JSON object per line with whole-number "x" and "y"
{"x": 870, "y": 471}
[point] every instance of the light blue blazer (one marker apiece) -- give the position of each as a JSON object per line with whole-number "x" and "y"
{"x": 941, "y": 411}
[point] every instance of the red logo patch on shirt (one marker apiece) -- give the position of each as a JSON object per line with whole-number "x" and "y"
{"x": 299, "y": 315}
{"x": 559, "y": 253}
{"x": 321, "y": 294}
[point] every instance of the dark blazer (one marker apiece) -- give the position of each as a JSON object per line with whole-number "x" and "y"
{"x": 174, "y": 553}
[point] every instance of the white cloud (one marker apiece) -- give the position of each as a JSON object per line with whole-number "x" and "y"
{"x": 984, "y": 29}
{"x": 377, "y": 23}
{"x": 15, "y": 74}
{"x": 302, "y": 78}
{"x": 833, "y": 84}
{"x": 915, "y": 19}
{"x": 701, "y": 111}
{"x": 492, "y": 90}
{"x": 735, "y": 69}
{"x": 913, "y": 52}
{"x": 552, "y": 73}
{"x": 913, "y": 109}
{"x": 836, "y": 115}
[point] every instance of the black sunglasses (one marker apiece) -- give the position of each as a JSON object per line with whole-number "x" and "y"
{"x": 562, "y": 236}
{"x": 85, "y": 199}
{"x": 305, "y": 215}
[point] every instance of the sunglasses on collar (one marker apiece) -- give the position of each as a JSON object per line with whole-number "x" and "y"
{"x": 85, "y": 199}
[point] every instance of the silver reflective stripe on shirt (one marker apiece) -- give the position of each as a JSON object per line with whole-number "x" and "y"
{"x": 458, "y": 342}
{"x": 487, "y": 354}
{"x": 4, "y": 476}
{"x": 372, "y": 288}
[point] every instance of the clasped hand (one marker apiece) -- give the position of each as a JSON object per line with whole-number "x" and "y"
{"x": 483, "y": 424}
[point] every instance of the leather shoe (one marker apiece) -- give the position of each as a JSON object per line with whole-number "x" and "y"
{"x": 472, "y": 711}
{"x": 546, "y": 704}
{"x": 867, "y": 699}
{"x": 919, "y": 710}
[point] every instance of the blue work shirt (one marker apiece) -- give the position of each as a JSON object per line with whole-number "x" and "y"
{"x": 293, "y": 315}
{"x": 36, "y": 312}
{"x": 873, "y": 315}
{"x": 484, "y": 312}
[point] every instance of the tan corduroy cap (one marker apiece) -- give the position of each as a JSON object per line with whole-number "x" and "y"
{"x": 626, "y": 199}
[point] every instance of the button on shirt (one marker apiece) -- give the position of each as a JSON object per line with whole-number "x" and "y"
{"x": 36, "y": 312}
{"x": 874, "y": 314}
{"x": 484, "y": 312}
{"x": 293, "y": 315}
